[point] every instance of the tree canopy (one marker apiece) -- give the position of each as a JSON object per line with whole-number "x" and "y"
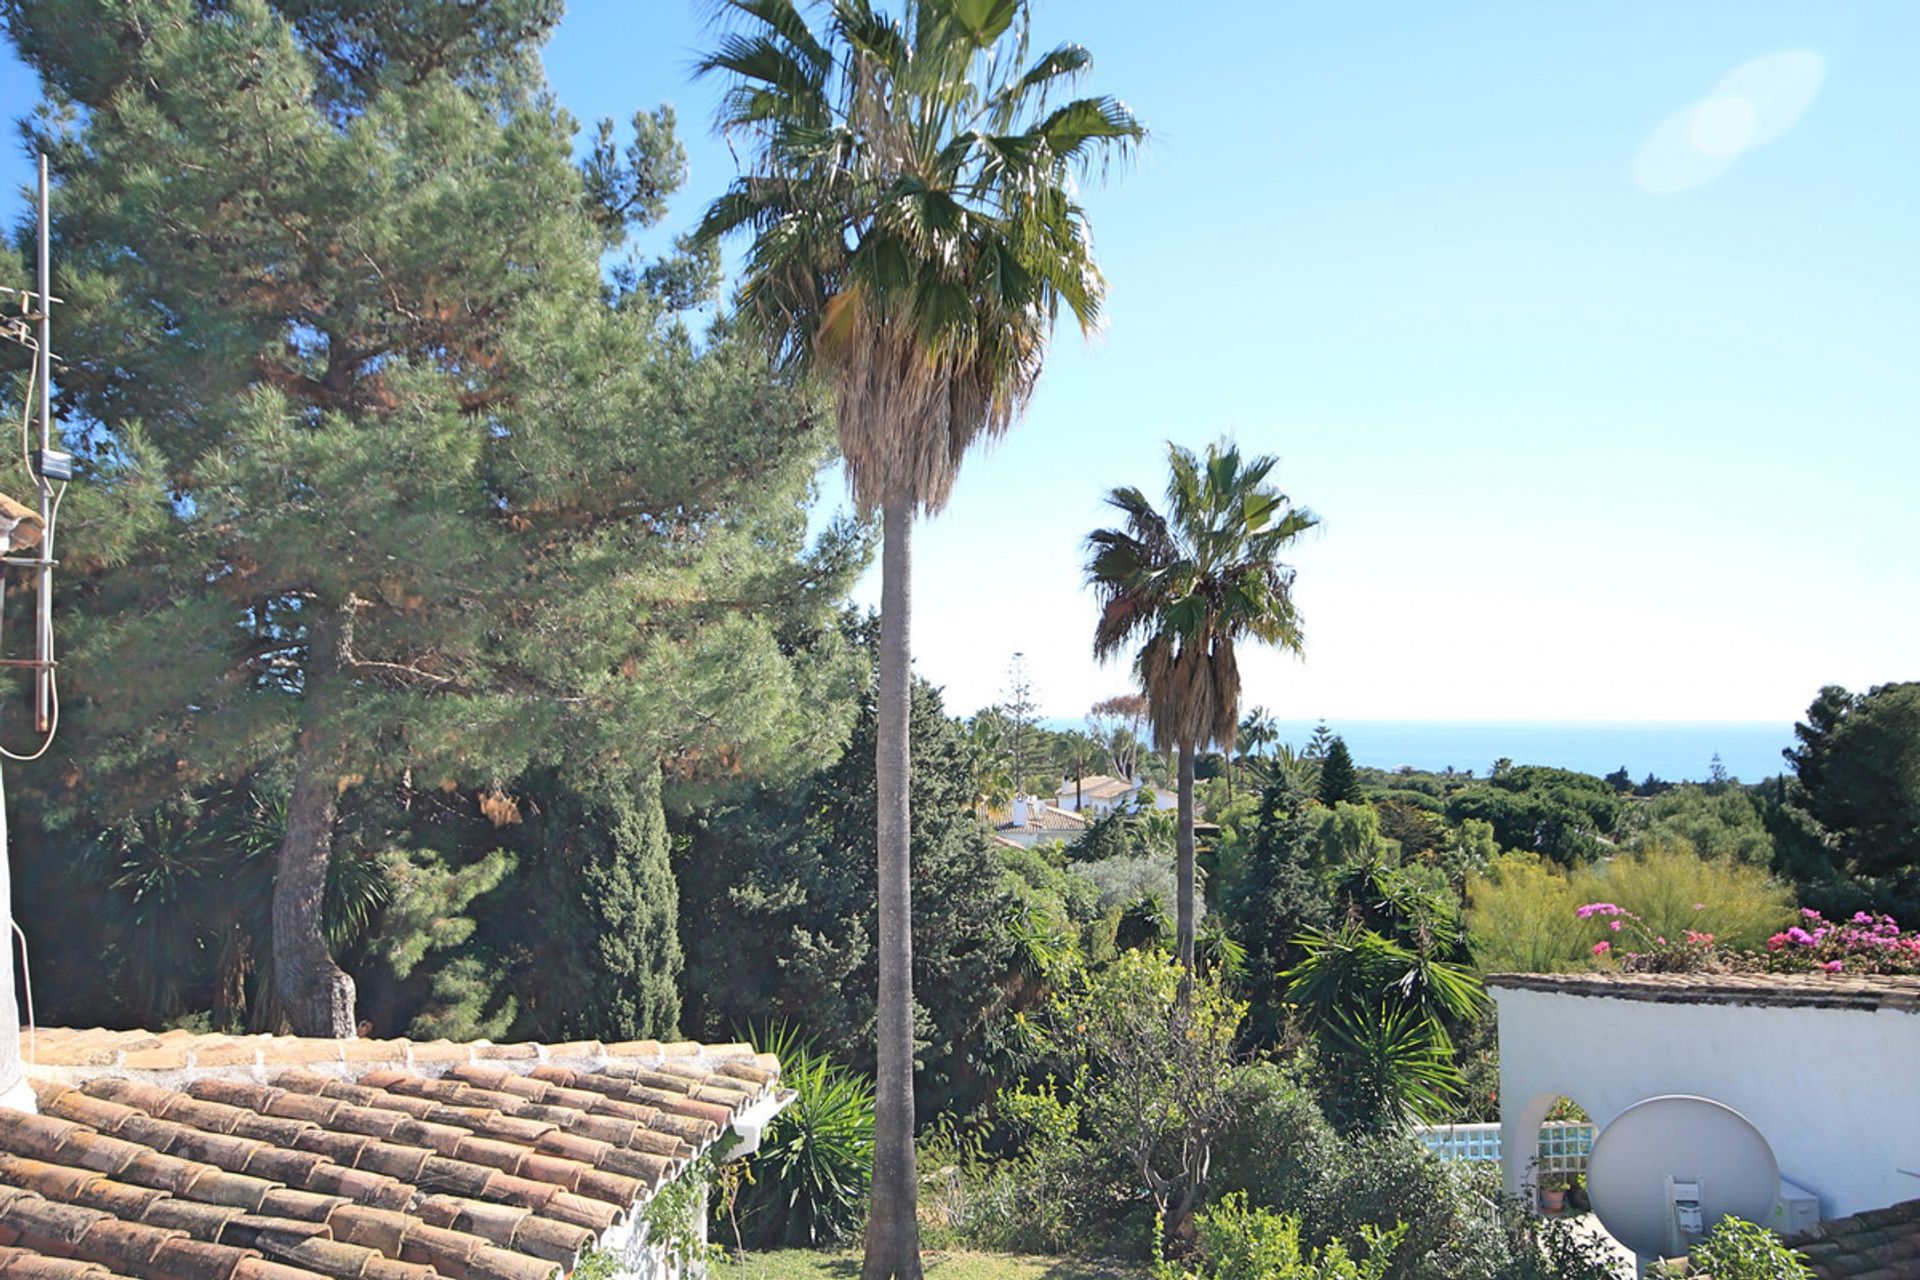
{"x": 390, "y": 491}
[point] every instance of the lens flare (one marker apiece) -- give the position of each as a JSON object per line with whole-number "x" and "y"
{"x": 1754, "y": 104}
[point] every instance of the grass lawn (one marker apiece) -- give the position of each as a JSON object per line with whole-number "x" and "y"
{"x": 805, "y": 1264}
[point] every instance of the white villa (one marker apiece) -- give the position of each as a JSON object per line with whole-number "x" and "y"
{"x": 1033, "y": 821}
{"x": 1102, "y": 793}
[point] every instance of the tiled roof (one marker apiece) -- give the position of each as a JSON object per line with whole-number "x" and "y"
{"x": 1804, "y": 990}
{"x": 183, "y": 1157}
{"x": 1880, "y": 1244}
{"x": 1099, "y": 787}
{"x": 1043, "y": 817}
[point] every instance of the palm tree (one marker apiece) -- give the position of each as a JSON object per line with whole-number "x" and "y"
{"x": 910, "y": 194}
{"x": 1188, "y": 585}
{"x": 1256, "y": 731}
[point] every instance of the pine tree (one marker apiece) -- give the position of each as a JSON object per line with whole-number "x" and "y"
{"x": 1337, "y": 780}
{"x": 391, "y": 488}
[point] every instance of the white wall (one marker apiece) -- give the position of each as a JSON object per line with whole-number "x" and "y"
{"x": 1836, "y": 1092}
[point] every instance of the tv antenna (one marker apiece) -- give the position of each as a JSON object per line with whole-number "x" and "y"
{"x": 1667, "y": 1169}
{"x": 25, "y": 527}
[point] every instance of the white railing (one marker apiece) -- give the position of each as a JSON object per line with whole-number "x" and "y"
{"x": 1564, "y": 1144}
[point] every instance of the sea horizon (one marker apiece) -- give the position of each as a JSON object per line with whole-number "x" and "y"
{"x": 1672, "y": 750}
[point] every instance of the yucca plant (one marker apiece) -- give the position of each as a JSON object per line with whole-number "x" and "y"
{"x": 807, "y": 1184}
{"x": 1380, "y": 1011}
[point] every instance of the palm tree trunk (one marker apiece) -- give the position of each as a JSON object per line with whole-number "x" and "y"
{"x": 314, "y": 992}
{"x": 893, "y": 1226}
{"x": 1183, "y": 838}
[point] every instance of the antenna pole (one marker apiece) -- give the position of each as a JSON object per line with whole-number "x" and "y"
{"x": 43, "y": 595}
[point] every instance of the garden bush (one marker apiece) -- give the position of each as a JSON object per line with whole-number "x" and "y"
{"x": 1279, "y": 1145}
{"x": 1520, "y": 917}
{"x": 1740, "y": 1250}
{"x": 1453, "y": 1222}
{"x": 1236, "y": 1242}
{"x": 1674, "y": 890}
{"x": 1522, "y": 912}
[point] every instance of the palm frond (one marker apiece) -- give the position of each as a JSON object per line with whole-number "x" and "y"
{"x": 1189, "y": 583}
{"x": 915, "y": 230}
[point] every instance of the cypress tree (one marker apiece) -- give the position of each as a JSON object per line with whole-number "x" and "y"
{"x": 780, "y": 917}
{"x": 389, "y": 488}
{"x": 593, "y": 931}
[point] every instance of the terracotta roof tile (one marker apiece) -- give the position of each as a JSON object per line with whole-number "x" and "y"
{"x": 1880, "y": 1243}
{"x": 24, "y": 1264}
{"x": 1802, "y": 990}
{"x": 129, "y": 1247}
{"x": 284, "y": 1159}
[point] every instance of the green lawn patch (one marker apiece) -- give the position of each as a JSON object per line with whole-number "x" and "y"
{"x": 807, "y": 1264}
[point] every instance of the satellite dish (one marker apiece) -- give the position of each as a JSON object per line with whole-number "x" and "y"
{"x": 1667, "y": 1169}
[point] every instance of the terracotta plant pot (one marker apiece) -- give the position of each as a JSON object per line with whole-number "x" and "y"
{"x": 1554, "y": 1199}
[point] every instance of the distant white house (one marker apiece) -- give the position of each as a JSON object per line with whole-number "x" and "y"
{"x": 1102, "y": 794}
{"x": 1033, "y": 821}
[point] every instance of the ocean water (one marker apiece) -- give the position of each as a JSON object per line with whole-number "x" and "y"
{"x": 1675, "y": 751}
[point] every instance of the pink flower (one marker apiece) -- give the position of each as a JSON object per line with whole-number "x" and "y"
{"x": 1593, "y": 909}
{"x": 1614, "y": 925}
{"x": 1777, "y": 941}
{"x": 1799, "y": 936}
{"x": 1601, "y": 948}
{"x": 1834, "y": 966}
{"x": 1809, "y": 913}
{"x": 1699, "y": 906}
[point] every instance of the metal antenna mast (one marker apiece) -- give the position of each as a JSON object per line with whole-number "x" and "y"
{"x": 22, "y": 527}
{"x": 43, "y": 710}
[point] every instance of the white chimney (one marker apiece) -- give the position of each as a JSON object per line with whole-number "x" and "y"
{"x": 1019, "y": 811}
{"x": 14, "y": 1090}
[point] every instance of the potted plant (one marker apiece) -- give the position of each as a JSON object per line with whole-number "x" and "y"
{"x": 1553, "y": 1191}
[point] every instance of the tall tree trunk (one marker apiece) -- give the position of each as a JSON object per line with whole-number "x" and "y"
{"x": 893, "y": 1225}
{"x": 1183, "y": 840}
{"x": 317, "y": 995}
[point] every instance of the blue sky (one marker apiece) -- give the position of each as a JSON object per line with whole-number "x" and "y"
{"x": 1583, "y": 450}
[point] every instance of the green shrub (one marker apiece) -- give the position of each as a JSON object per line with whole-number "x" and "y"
{"x": 1740, "y": 1250}
{"x": 1454, "y": 1222}
{"x": 1280, "y": 1144}
{"x": 1235, "y": 1242}
{"x": 1520, "y": 917}
{"x": 1674, "y": 890}
{"x": 1521, "y": 911}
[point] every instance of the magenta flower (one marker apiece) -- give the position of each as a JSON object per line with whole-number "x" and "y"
{"x": 1834, "y": 966}
{"x": 1614, "y": 925}
{"x": 1601, "y": 948}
